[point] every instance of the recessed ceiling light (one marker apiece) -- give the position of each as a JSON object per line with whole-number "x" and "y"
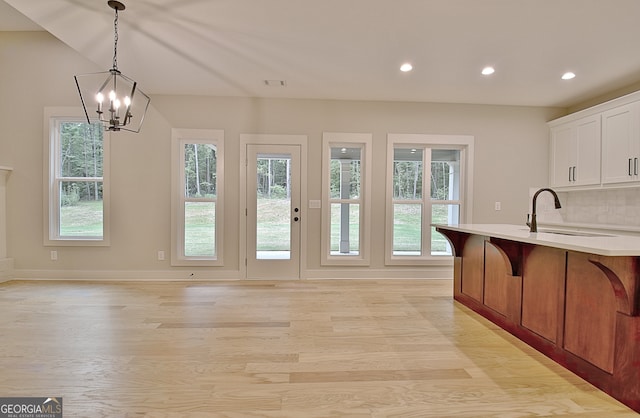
{"x": 568, "y": 75}
{"x": 406, "y": 67}
{"x": 488, "y": 70}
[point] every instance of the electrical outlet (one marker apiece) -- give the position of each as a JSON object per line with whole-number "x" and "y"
{"x": 54, "y": 255}
{"x": 160, "y": 255}
{"x": 498, "y": 206}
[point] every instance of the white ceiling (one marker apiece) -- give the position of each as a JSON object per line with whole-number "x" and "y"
{"x": 352, "y": 49}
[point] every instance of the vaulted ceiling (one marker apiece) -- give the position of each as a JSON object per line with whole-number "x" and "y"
{"x": 353, "y": 49}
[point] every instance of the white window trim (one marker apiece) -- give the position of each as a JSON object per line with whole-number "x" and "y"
{"x": 51, "y": 201}
{"x": 465, "y": 144}
{"x": 201, "y": 136}
{"x": 338, "y": 140}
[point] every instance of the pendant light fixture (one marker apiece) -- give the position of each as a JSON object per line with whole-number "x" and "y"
{"x": 110, "y": 96}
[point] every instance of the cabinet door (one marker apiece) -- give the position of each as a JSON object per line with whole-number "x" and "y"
{"x": 590, "y": 323}
{"x": 473, "y": 267}
{"x": 620, "y": 137}
{"x": 586, "y": 170}
{"x": 502, "y": 288}
{"x": 575, "y": 153}
{"x": 543, "y": 279}
{"x": 563, "y": 144}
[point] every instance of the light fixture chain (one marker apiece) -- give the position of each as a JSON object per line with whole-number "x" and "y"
{"x": 115, "y": 41}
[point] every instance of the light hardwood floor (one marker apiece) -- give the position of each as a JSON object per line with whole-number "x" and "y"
{"x": 304, "y": 349}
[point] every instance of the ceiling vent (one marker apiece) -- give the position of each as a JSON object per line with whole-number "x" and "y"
{"x": 275, "y": 83}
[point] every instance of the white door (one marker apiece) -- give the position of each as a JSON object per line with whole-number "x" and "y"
{"x": 273, "y": 211}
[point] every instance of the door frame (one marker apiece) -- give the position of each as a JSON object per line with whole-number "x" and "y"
{"x": 272, "y": 139}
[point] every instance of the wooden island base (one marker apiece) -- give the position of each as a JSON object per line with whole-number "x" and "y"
{"x": 579, "y": 309}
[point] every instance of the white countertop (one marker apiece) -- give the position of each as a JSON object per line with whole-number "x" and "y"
{"x": 594, "y": 243}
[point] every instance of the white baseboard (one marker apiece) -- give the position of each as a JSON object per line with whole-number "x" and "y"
{"x": 125, "y": 275}
{"x": 426, "y": 272}
{"x": 6, "y": 269}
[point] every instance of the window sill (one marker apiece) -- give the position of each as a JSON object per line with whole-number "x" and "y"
{"x": 77, "y": 243}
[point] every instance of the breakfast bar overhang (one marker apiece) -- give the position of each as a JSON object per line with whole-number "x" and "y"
{"x": 572, "y": 295}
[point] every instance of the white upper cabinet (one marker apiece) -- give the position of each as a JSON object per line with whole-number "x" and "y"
{"x": 621, "y": 144}
{"x": 575, "y": 153}
{"x": 598, "y": 147}
{"x": 563, "y": 142}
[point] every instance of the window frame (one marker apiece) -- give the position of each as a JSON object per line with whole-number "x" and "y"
{"x": 364, "y": 141}
{"x": 53, "y": 116}
{"x": 179, "y": 137}
{"x": 427, "y": 142}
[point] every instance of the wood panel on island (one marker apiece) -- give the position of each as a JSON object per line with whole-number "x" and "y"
{"x": 580, "y": 308}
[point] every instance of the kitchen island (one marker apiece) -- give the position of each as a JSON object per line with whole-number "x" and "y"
{"x": 574, "y": 296}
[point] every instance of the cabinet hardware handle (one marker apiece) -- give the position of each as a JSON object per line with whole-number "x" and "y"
{"x": 629, "y": 166}
{"x": 574, "y": 173}
{"x": 635, "y": 166}
{"x": 569, "y": 173}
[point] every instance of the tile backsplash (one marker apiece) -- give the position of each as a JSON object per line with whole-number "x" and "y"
{"x": 609, "y": 207}
{"x": 600, "y": 208}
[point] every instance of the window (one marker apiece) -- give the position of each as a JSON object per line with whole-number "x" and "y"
{"x": 346, "y": 191}
{"x": 419, "y": 198}
{"x": 445, "y": 195}
{"x": 197, "y": 188}
{"x": 408, "y": 200}
{"x": 76, "y": 193}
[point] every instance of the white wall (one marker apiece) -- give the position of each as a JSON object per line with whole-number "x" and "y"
{"x": 511, "y": 148}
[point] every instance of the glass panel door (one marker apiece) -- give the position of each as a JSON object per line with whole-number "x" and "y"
{"x": 273, "y": 211}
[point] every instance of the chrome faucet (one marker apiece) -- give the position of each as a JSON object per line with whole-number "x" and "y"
{"x": 533, "y": 225}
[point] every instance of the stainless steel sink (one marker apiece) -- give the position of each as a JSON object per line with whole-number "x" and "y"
{"x": 569, "y": 233}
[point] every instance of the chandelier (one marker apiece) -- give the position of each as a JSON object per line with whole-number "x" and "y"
{"x": 110, "y": 96}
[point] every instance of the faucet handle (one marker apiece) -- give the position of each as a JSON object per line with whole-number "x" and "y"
{"x": 528, "y": 222}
